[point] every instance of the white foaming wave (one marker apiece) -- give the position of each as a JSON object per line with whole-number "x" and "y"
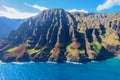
{"x": 20, "y": 63}
{"x": 118, "y": 57}
{"x": 31, "y": 62}
{"x": 94, "y": 61}
{"x": 2, "y": 62}
{"x": 51, "y": 62}
{"x": 65, "y": 62}
{"x": 73, "y": 62}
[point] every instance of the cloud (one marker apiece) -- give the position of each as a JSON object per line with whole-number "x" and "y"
{"x": 36, "y": 7}
{"x": 14, "y": 13}
{"x": 108, "y": 4}
{"x": 76, "y": 10}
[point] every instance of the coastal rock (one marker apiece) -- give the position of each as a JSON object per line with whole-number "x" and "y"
{"x": 57, "y": 35}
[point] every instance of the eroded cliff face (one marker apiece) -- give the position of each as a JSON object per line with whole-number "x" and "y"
{"x": 59, "y": 36}
{"x": 102, "y": 29}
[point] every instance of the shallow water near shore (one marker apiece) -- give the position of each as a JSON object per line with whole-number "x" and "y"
{"x": 104, "y": 70}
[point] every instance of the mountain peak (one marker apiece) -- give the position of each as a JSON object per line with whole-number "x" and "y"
{"x": 49, "y": 12}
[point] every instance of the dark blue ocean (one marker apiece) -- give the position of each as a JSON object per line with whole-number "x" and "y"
{"x": 105, "y": 70}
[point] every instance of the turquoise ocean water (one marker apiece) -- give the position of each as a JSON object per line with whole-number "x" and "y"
{"x": 104, "y": 70}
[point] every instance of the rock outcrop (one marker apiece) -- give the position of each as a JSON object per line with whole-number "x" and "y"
{"x": 57, "y": 35}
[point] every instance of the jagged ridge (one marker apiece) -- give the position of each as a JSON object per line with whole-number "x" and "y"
{"x": 59, "y": 36}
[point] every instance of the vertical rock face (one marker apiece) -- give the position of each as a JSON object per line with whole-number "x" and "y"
{"x": 101, "y": 30}
{"x": 56, "y": 35}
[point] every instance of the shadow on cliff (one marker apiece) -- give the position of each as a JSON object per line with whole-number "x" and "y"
{"x": 104, "y": 54}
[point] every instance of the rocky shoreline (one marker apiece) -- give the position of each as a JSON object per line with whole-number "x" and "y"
{"x": 28, "y": 58}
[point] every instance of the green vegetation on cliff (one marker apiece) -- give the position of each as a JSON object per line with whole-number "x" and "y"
{"x": 81, "y": 51}
{"x": 51, "y": 51}
{"x": 12, "y": 49}
{"x": 32, "y": 51}
{"x": 74, "y": 51}
{"x": 70, "y": 50}
{"x": 96, "y": 46}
